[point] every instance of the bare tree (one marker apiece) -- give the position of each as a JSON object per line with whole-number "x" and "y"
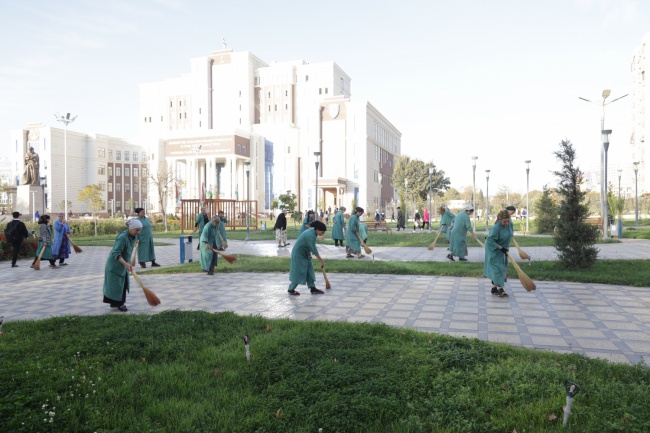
{"x": 163, "y": 180}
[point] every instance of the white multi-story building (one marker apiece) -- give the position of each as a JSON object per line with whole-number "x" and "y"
{"x": 233, "y": 109}
{"x": 641, "y": 111}
{"x": 118, "y": 167}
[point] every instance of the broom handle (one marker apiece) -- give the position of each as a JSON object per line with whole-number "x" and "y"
{"x": 42, "y": 251}
{"x": 480, "y": 243}
{"x": 222, "y": 241}
{"x": 324, "y": 274}
{"x": 361, "y": 240}
{"x": 218, "y": 252}
{"x": 135, "y": 248}
{"x": 137, "y": 278}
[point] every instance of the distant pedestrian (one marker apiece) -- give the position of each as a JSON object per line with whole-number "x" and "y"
{"x": 222, "y": 239}
{"x": 301, "y": 270}
{"x": 15, "y": 233}
{"x": 462, "y": 225}
{"x": 201, "y": 220}
{"x": 352, "y": 237}
{"x": 496, "y": 247}
{"x": 400, "y": 219}
{"x": 281, "y": 229}
{"x": 61, "y": 246}
{"x": 425, "y": 219}
{"x": 338, "y": 227}
{"x": 446, "y": 221}
{"x": 118, "y": 266}
{"x": 416, "y": 220}
{"x": 45, "y": 241}
{"x": 306, "y": 223}
{"x": 145, "y": 248}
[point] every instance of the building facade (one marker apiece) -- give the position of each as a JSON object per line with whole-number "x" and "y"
{"x": 641, "y": 111}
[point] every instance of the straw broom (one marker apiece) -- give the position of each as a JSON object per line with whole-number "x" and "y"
{"x": 433, "y": 244}
{"x": 37, "y": 263}
{"x": 152, "y": 299}
{"x": 327, "y": 282}
{"x": 229, "y": 259}
{"x": 223, "y": 243}
{"x": 365, "y": 247}
{"x": 525, "y": 280}
{"x": 135, "y": 249}
{"x": 76, "y": 248}
{"x": 522, "y": 253}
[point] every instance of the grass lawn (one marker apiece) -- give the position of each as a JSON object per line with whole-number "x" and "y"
{"x": 619, "y": 272}
{"x": 187, "y": 372}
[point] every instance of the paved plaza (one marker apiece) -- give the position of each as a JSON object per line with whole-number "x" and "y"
{"x": 597, "y": 320}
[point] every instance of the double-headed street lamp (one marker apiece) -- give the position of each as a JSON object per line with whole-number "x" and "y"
{"x": 430, "y": 196}
{"x": 487, "y": 199}
{"x": 247, "y": 167}
{"x": 66, "y": 120}
{"x": 474, "y": 158}
{"x": 527, "y": 194}
{"x": 636, "y": 195}
{"x": 317, "y": 155}
{"x": 605, "y": 133}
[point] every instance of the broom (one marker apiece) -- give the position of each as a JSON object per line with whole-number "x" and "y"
{"x": 76, "y": 248}
{"x": 224, "y": 244}
{"x": 229, "y": 259}
{"x": 522, "y": 253}
{"x": 152, "y": 299}
{"x": 37, "y": 263}
{"x": 327, "y": 282}
{"x": 525, "y": 280}
{"x": 135, "y": 249}
{"x": 365, "y": 247}
{"x": 433, "y": 244}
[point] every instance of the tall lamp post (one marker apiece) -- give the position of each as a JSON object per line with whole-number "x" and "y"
{"x": 620, "y": 173}
{"x": 380, "y": 177}
{"x": 474, "y": 158}
{"x": 406, "y": 200}
{"x": 603, "y": 188}
{"x": 636, "y": 195}
{"x": 527, "y": 193}
{"x": 430, "y": 196}
{"x": 43, "y": 182}
{"x": 605, "y": 133}
{"x": 247, "y": 166}
{"x": 317, "y": 163}
{"x": 66, "y": 120}
{"x": 487, "y": 199}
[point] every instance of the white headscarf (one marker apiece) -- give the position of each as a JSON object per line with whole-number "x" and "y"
{"x": 134, "y": 224}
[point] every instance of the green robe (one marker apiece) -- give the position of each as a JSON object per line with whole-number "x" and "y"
{"x": 45, "y": 236}
{"x": 305, "y": 225}
{"x": 222, "y": 232}
{"x": 363, "y": 231}
{"x": 145, "y": 249}
{"x": 446, "y": 220}
{"x": 302, "y": 268}
{"x": 339, "y": 224}
{"x": 209, "y": 235}
{"x": 116, "y": 277}
{"x": 200, "y": 221}
{"x": 462, "y": 225}
{"x": 351, "y": 240}
{"x": 495, "y": 264}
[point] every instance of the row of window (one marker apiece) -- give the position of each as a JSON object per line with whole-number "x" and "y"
{"x": 118, "y": 187}
{"x": 101, "y": 153}
{"x": 101, "y": 170}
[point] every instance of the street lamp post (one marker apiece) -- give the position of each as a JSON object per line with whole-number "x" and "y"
{"x": 620, "y": 172}
{"x": 527, "y": 193}
{"x": 474, "y": 158}
{"x": 380, "y": 177}
{"x": 605, "y": 133}
{"x": 248, "y": 198}
{"x": 406, "y": 200}
{"x": 317, "y": 163}
{"x": 43, "y": 181}
{"x": 636, "y": 196}
{"x": 487, "y": 199}
{"x": 430, "y": 196}
{"x": 66, "y": 120}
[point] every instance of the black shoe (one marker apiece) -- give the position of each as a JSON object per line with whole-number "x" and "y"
{"x": 495, "y": 291}
{"x": 210, "y": 273}
{"x": 462, "y": 260}
{"x": 315, "y": 291}
{"x": 294, "y": 293}
{"x": 221, "y": 249}
{"x": 349, "y": 256}
{"x": 502, "y": 293}
{"x": 143, "y": 265}
{"x": 450, "y": 257}
{"x": 287, "y": 244}
{"x": 154, "y": 264}
{"x": 122, "y": 308}
{"x": 14, "y": 266}
{"x": 63, "y": 264}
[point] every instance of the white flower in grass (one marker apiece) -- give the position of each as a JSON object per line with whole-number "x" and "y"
{"x": 51, "y": 413}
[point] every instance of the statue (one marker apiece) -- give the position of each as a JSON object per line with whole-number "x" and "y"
{"x": 30, "y": 175}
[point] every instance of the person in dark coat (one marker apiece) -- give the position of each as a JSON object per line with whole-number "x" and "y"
{"x": 17, "y": 234}
{"x": 280, "y": 228}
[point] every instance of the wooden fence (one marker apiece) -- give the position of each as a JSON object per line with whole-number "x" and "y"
{"x": 235, "y": 212}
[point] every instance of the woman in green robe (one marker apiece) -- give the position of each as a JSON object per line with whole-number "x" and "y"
{"x": 45, "y": 237}
{"x": 302, "y": 268}
{"x": 309, "y": 218}
{"x": 209, "y": 239}
{"x": 221, "y": 237}
{"x": 145, "y": 249}
{"x": 462, "y": 225}
{"x": 116, "y": 271}
{"x": 352, "y": 241}
{"x": 201, "y": 220}
{"x": 446, "y": 221}
{"x": 339, "y": 227}
{"x": 496, "y": 246}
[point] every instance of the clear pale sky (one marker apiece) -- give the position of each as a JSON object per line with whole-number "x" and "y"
{"x": 497, "y": 79}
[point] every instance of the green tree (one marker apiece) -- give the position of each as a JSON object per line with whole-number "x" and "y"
{"x": 575, "y": 238}
{"x": 62, "y": 206}
{"x": 92, "y": 196}
{"x": 288, "y": 201}
{"x": 417, "y": 173}
{"x": 546, "y": 212}
{"x": 274, "y": 205}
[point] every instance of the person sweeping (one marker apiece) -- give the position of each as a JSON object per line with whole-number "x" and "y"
{"x": 496, "y": 260}
{"x": 302, "y": 268}
{"x": 208, "y": 242}
{"x": 462, "y": 225}
{"x": 352, "y": 236}
{"x": 116, "y": 271}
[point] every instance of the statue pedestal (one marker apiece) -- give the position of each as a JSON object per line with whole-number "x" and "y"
{"x": 29, "y": 200}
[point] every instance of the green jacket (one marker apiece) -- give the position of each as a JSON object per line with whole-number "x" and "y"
{"x": 116, "y": 277}
{"x": 145, "y": 248}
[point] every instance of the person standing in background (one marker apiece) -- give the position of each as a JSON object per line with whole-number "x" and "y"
{"x": 201, "y": 220}
{"x": 15, "y": 233}
{"x": 221, "y": 237}
{"x": 338, "y": 228}
{"x": 45, "y": 241}
{"x": 281, "y": 229}
{"x": 425, "y": 219}
{"x": 145, "y": 248}
{"x": 61, "y": 246}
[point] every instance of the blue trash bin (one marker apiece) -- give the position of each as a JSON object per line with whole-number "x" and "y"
{"x": 186, "y": 248}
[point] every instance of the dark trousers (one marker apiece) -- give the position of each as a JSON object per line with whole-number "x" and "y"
{"x": 213, "y": 262}
{"x": 16, "y": 252}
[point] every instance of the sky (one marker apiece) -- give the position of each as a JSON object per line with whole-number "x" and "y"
{"x": 495, "y": 79}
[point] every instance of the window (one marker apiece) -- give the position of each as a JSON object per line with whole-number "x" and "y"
{"x": 101, "y": 170}
{"x": 243, "y": 149}
{"x": 286, "y": 106}
{"x": 127, "y": 187}
{"x": 326, "y": 90}
{"x": 342, "y": 85}
{"x": 149, "y": 119}
{"x": 135, "y": 156}
{"x": 306, "y": 77}
{"x": 320, "y": 90}
{"x": 144, "y": 172}
{"x": 118, "y": 155}
{"x": 118, "y": 205}
{"x": 118, "y": 171}
{"x": 118, "y": 187}
{"x": 171, "y": 104}
{"x": 180, "y": 115}
{"x": 110, "y": 187}
{"x": 136, "y": 188}
{"x": 110, "y": 171}
{"x": 145, "y": 120}
{"x": 153, "y": 156}
{"x": 269, "y": 108}
{"x": 276, "y": 107}
{"x": 180, "y": 103}
{"x": 101, "y": 152}
{"x": 286, "y": 93}
{"x": 110, "y": 155}
{"x": 127, "y": 171}
{"x": 269, "y": 94}
{"x": 144, "y": 156}
{"x": 102, "y": 186}
{"x": 126, "y": 155}
{"x": 200, "y": 107}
